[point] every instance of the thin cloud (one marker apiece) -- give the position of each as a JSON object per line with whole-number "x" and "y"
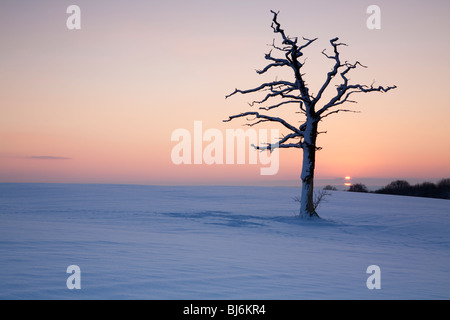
{"x": 49, "y": 158}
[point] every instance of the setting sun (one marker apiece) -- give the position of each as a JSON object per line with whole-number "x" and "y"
{"x": 347, "y": 182}
{"x": 74, "y": 109}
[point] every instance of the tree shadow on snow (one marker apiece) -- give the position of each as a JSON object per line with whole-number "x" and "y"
{"x": 241, "y": 220}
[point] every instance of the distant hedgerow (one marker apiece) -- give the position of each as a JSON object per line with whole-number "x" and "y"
{"x": 440, "y": 190}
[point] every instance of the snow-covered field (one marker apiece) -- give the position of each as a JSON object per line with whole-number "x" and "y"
{"x": 152, "y": 242}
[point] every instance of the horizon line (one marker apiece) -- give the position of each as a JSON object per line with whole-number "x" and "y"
{"x": 320, "y": 182}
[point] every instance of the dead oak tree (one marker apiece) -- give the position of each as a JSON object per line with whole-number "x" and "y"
{"x": 311, "y": 106}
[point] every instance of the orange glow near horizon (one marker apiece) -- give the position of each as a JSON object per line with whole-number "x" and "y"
{"x": 99, "y": 105}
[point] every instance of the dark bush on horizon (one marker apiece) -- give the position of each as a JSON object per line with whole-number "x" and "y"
{"x": 444, "y": 183}
{"x": 444, "y": 187}
{"x": 440, "y": 190}
{"x": 330, "y": 187}
{"x": 358, "y": 187}
{"x": 397, "y": 187}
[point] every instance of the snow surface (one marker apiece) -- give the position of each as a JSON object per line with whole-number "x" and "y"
{"x": 154, "y": 242}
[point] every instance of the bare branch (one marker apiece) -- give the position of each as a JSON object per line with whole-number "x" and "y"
{"x": 308, "y": 42}
{"x": 335, "y": 69}
{"x": 319, "y": 196}
{"x": 273, "y": 146}
{"x": 344, "y": 90}
{"x": 286, "y": 48}
{"x": 337, "y": 111}
{"x": 267, "y": 118}
{"x": 288, "y": 137}
{"x": 277, "y": 29}
{"x": 280, "y": 104}
{"x": 293, "y": 54}
{"x": 273, "y": 93}
{"x": 276, "y": 62}
{"x": 268, "y": 85}
{"x": 254, "y": 123}
{"x": 281, "y": 143}
{"x": 348, "y": 90}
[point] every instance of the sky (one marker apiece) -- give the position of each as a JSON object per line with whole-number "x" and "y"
{"x": 100, "y": 104}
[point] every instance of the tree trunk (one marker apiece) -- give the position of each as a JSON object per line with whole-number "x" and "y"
{"x": 309, "y": 160}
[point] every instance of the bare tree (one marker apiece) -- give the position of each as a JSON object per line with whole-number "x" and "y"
{"x": 319, "y": 196}
{"x": 302, "y": 136}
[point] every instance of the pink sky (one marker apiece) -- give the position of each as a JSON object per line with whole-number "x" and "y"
{"x": 99, "y": 105}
